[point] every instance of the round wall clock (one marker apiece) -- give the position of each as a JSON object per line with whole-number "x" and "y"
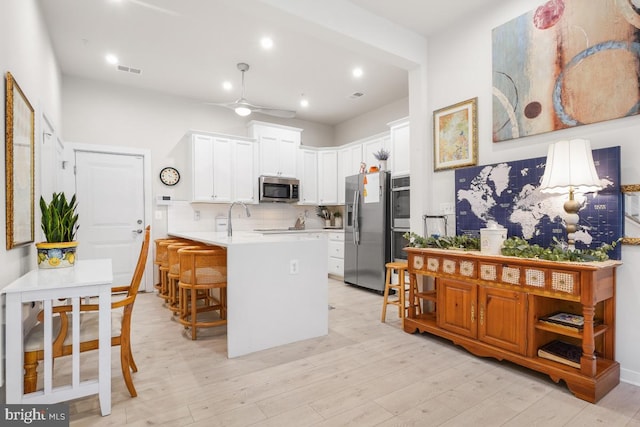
{"x": 169, "y": 176}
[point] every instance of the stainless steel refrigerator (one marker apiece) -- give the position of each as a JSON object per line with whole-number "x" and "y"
{"x": 367, "y": 230}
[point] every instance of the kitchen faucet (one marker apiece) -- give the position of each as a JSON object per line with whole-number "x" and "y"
{"x": 229, "y": 230}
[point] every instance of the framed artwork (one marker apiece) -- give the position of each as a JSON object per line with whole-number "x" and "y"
{"x": 565, "y": 64}
{"x": 455, "y": 135}
{"x": 19, "y": 167}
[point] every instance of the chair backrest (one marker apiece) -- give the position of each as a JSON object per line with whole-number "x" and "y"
{"x": 203, "y": 265}
{"x": 161, "y": 249}
{"x": 172, "y": 255}
{"x": 140, "y": 266}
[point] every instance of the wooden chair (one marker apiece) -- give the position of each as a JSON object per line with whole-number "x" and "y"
{"x": 201, "y": 272}
{"x": 120, "y": 329}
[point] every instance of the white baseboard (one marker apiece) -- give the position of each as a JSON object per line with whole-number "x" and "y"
{"x": 630, "y": 377}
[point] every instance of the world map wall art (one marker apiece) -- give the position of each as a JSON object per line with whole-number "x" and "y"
{"x": 567, "y": 63}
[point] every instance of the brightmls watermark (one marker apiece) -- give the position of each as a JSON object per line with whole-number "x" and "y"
{"x": 54, "y": 415}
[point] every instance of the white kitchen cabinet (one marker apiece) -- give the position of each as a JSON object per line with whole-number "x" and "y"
{"x": 308, "y": 172}
{"x": 202, "y": 168}
{"x": 222, "y": 169}
{"x": 278, "y": 147}
{"x": 336, "y": 253}
{"x": 328, "y": 177}
{"x": 349, "y": 159}
{"x": 373, "y": 145}
{"x": 244, "y": 180}
{"x": 400, "y": 140}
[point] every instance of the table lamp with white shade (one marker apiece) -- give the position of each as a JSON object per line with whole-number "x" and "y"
{"x": 569, "y": 170}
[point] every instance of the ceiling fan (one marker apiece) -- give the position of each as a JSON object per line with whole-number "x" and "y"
{"x": 242, "y": 107}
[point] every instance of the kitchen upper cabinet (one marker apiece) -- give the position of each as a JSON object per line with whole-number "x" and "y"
{"x": 349, "y": 159}
{"x": 328, "y": 177}
{"x": 308, "y": 176}
{"x": 244, "y": 180}
{"x": 222, "y": 169}
{"x": 371, "y": 146}
{"x": 278, "y": 146}
{"x": 399, "y": 139}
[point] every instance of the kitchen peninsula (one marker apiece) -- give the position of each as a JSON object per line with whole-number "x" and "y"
{"x": 276, "y": 287}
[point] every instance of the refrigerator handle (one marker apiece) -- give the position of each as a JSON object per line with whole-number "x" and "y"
{"x": 356, "y": 221}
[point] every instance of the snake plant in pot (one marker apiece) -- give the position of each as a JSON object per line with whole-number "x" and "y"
{"x": 59, "y": 224}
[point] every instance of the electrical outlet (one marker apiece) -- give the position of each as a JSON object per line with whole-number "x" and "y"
{"x": 293, "y": 266}
{"x": 158, "y": 215}
{"x": 196, "y": 215}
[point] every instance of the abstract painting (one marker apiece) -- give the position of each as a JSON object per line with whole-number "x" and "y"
{"x": 567, "y": 63}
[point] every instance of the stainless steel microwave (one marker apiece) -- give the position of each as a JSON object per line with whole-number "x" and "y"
{"x": 277, "y": 189}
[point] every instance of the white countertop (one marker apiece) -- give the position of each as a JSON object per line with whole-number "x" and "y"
{"x": 248, "y": 237}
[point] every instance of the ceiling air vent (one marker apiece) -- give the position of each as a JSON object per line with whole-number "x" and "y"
{"x": 356, "y": 95}
{"x": 129, "y": 69}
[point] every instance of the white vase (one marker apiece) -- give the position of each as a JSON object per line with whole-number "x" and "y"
{"x": 383, "y": 165}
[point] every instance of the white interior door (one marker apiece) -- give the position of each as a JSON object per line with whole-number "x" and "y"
{"x": 110, "y": 192}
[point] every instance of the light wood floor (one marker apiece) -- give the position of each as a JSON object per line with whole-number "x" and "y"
{"x": 364, "y": 373}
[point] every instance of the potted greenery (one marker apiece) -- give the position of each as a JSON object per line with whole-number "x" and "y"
{"x": 382, "y": 156}
{"x": 325, "y": 214}
{"x": 59, "y": 224}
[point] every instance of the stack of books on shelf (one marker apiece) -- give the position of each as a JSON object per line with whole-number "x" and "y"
{"x": 562, "y": 352}
{"x": 574, "y": 322}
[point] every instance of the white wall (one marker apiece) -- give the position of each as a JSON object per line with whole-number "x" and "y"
{"x": 149, "y": 119}
{"x": 26, "y": 52}
{"x": 460, "y": 68}
{"x": 371, "y": 123}
{"x": 28, "y": 55}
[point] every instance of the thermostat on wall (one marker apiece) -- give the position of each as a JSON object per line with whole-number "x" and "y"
{"x": 163, "y": 200}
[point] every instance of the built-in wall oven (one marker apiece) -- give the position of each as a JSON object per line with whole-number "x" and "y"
{"x": 400, "y": 215}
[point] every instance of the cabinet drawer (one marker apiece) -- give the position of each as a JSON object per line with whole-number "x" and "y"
{"x": 336, "y": 266}
{"x": 336, "y": 236}
{"x": 336, "y": 249}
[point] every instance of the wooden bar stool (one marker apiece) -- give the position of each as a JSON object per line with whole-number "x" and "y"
{"x": 401, "y": 288}
{"x": 161, "y": 254}
{"x": 201, "y": 272}
{"x": 163, "y": 250}
{"x": 173, "y": 272}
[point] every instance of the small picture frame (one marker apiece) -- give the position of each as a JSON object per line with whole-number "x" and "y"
{"x": 455, "y": 135}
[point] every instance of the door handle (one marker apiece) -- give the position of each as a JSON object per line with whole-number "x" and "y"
{"x": 139, "y": 231}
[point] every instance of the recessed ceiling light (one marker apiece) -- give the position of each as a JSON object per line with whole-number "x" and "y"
{"x": 266, "y": 42}
{"x": 111, "y": 59}
{"x": 227, "y": 85}
{"x": 357, "y": 72}
{"x": 304, "y": 102}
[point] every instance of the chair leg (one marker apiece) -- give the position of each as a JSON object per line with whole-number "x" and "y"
{"x": 132, "y": 363}
{"x": 194, "y": 312}
{"x": 125, "y": 351}
{"x": 30, "y": 372}
{"x": 385, "y": 298}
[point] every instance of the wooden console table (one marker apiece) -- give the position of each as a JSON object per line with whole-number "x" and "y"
{"x": 491, "y": 306}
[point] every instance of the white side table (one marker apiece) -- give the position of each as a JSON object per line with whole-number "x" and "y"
{"x": 86, "y": 278}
